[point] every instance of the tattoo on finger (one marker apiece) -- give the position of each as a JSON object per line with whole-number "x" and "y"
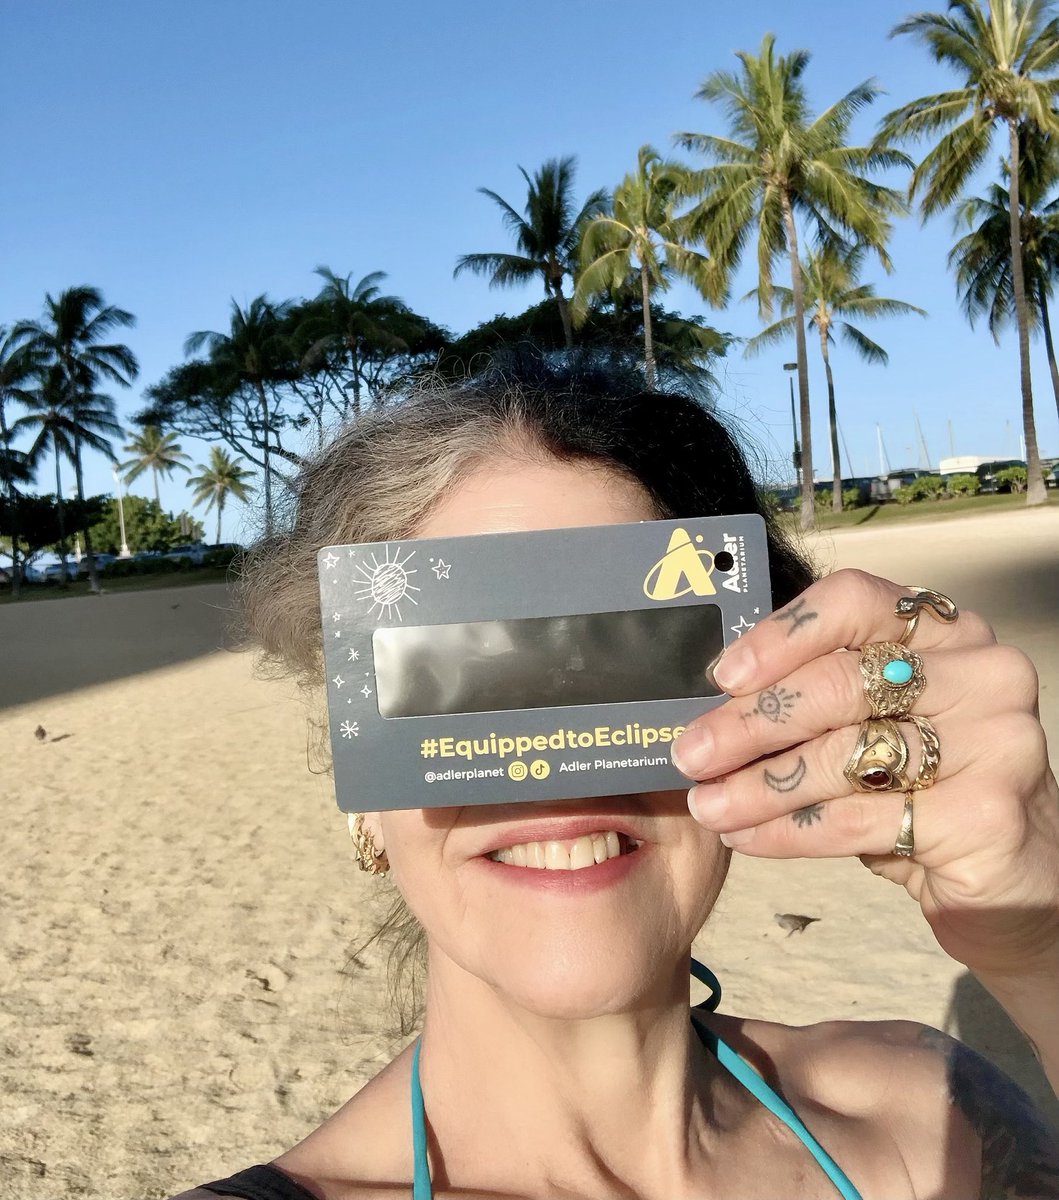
{"x": 786, "y": 783}
{"x": 775, "y": 704}
{"x": 796, "y": 615}
{"x": 809, "y": 815}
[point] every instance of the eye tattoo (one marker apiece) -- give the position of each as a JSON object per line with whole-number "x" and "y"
{"x": 808, "y": 815}
{"x": 775, "y": 704}
{"x": 787, "y": 783}
{"x": 795, "y": 615}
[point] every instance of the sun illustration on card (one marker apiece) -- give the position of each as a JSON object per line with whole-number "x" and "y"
{"x": 386, "y": 583}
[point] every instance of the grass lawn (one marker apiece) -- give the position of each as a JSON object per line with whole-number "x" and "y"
{"x": 131, "y": 583}
{"x": 919, "y": 510}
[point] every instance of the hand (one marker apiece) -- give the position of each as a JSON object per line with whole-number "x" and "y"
{"x": 986, "y": 865}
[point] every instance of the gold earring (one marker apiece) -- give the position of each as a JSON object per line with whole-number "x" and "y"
{"x": 369, "y": 857}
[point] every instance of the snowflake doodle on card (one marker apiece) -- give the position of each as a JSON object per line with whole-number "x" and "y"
{"x": 350, "y": 729}
{"x": 385, "y": 585}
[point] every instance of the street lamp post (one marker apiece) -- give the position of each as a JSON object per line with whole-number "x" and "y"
{"x": 124, "y": 552}
{"x": 797, "y": 456}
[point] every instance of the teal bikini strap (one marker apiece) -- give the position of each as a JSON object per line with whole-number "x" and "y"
{"x": 421, "y": 1189}
{"x": 725, "y": 1055}
{"x": 758, "y": 1088}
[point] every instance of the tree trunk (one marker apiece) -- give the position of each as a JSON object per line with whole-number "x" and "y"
{"x": 355, "y": 364}
{"x": 157, "y": 498}
{"x": 832, "y": 417}
{"x": 93, "y": 574}
{"x": 648, "y": 332}
{"x": 61, "y": 513}
{"x": 564, "y": 312}
{"x": 267, "y": 465}
{"x": 1046, "y": 325}
{"x": 12, "y": 504}
{"x": 220, "y": 509}
{"x": 808, "y": 520}
{"x": 1036, "y": 492}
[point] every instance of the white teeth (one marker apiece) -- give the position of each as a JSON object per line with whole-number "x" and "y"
{"x": 581, "y": 854}
{"x": 556, "y": 857}
{"x": 584, "y": 852}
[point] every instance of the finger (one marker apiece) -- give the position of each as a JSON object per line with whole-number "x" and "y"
{"x": 815, "y": 772}
{"x": 845, "y": 610}
{"x": 828, "y": 694}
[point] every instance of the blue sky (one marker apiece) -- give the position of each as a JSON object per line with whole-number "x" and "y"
{"x": 179, "y": 155}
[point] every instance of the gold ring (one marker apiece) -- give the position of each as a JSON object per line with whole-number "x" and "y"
{"x": 931, "y": 759}
{"x": 905, "y": 846}
{"x": 879, "y": 762}
{"x": 940, "y": 607}
{"x": 893, "y": 678}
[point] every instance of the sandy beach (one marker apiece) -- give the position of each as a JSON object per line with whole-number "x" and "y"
{"x": 178, "y": 903}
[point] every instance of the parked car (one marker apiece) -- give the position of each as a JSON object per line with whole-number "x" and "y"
{"x": 987, "y": 474}
{"x": 1050, "y": 467}
{"x": 193, "y": 553}
{"x": 884, "y": 486}
{"x": 54, "y": 571}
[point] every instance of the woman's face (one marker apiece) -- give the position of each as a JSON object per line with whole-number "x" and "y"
{"x": 566, "y": 943}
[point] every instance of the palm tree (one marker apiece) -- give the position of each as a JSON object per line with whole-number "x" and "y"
{"x": 982, "y": 258}
{"x": 639, "y": 238}
{"x": 781, "y": 163}
{"x": 1006, "y": 55}
{"x": 220, "y": 478}
{"x": 358, "y": 321}
{"x": 154, "y": 451}
{"x": 19, "y": 367}
{"x": 64, "y": 424}
{"x": 546, "y": 237}
{"x": 832, "y": 293}
{"x": 254, "y": 353}
{"x": 70, "y": 342}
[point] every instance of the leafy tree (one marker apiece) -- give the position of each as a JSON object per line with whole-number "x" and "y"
{"x": 780, "y": 164}
{"x": 1006, "y": 54}
{"x": 147, "y": 526}
{"x": 218, "y": 479}
{"x": 686, "y": 349}
{"x": 76, "y": 359}
{"x": 982, "y": 258}
{"x": 639, "y": 237}
{"x": 254, "y": 355}
{"x": 834, "y": 298}
{"x": 546, "y": 236}
{"x": 153, "y": 451}
{"x": 42, "y": 519}
{"x": 19, "y": 367}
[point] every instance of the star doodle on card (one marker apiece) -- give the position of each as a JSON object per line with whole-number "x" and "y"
{"x": 441, "y": 568}
{"x": 365, "y": 691}
{"x": 330, "y": 560}
{"x": 350, "y": 729}
{"x": 386, "y": 584}
{"x": 336, "y": 616}
{"x": 743, "y": 627}
{"x": 338, "y": 681}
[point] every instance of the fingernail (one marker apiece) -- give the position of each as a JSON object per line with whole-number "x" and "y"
{"x": 708, "y": 803}
{"x": 692, "y": 752}
{"x": 736, "y": 668}
{"x": 737, "y": 837}
{"x": 710, "y": 667}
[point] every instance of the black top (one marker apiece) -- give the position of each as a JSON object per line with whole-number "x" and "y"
{"x": 259, "y": 1183}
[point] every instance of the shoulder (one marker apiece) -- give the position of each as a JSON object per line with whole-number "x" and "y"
{"x": 983, "y": 1131}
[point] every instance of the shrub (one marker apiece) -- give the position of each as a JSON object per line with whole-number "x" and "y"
{"x": 906, "y": 494}
{"x": 1013, "y": 477}
{"x": 932, "y": 487}
{"x": 964, "y": 485}
{"x": 852, "y": 498}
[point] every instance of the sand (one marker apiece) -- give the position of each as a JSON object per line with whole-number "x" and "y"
{"x": 177, "y": 901}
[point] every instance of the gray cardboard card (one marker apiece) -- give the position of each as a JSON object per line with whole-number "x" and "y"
{"x": 539, "y": 665}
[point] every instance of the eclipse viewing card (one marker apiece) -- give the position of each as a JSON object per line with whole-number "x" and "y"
{"x": 542, "y": 665}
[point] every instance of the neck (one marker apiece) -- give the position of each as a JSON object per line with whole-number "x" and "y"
{"x": 626, "y": 1095}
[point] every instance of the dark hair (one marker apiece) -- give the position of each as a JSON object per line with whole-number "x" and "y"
{"x": 384, "y": 472}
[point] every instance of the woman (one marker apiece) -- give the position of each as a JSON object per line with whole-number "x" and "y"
{"x": 557, "y": 1057}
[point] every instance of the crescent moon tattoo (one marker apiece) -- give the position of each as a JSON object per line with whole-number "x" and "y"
{"x": 787, "y": 783}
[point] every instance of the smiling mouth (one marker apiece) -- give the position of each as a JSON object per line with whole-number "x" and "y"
{"x": 574, "y": 855}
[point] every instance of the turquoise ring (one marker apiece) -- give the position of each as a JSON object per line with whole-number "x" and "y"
{"x": 893, "y": 678}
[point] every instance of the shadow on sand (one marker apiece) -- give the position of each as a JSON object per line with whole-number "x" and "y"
{"x": 979, "y": 1022}
{"x": 47, "y": 648}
